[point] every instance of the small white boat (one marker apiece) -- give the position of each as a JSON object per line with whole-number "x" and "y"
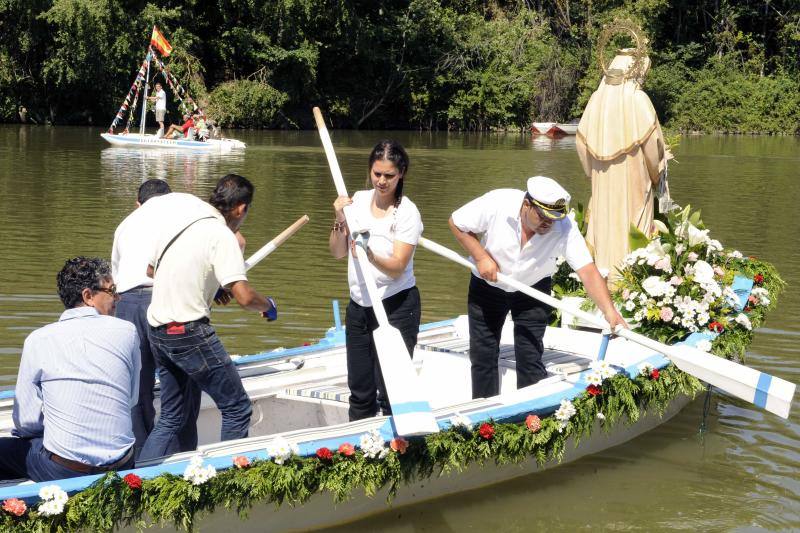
{"x": 135, "y": 140}
{"x": 566, "y": 129}
{"x": 542, "y": 128}
{"x": 300, "y": 402}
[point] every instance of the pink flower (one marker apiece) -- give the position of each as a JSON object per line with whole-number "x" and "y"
{"x": 533, "y": 423}
{"x": 675, "y": 280}
{"x": 719, "y": 271}
{"x": 662, "y": 264}
{"x": 666, "y": 314}
{"x": 692, "y": 257}
{"x": 347, "y": 449}
{"x": 240, "y": 461}
{"x": 15, "y": 506}
{"x": 626, "y": 293}
{"x": 400, "y": 445}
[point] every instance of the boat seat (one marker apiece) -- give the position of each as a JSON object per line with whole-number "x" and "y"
{"x": 334, "y": 392}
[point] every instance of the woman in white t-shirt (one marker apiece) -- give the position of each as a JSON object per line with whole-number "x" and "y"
{"x": 395, "y": 226}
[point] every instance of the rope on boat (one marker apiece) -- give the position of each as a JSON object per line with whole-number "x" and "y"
{"x": 706, "y": 410}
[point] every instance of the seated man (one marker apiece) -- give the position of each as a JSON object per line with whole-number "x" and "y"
{"x": 78, "y": 380}
{"x": 188, "y": 123}
{"x": 200, "y": 126}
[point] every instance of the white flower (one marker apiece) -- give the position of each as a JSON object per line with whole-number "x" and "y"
{"x": 53, "y": 500}
{"x": 560, "y": 259}
{"x": 603, "y": 368}
{"x": 461, "y": 421}
{"x": 630, "y": 305}
{"x": 714, "y": 246}
{"x": 735, "y": 254}
{"x": 196, "y": 474}
{"x": 373, "y": 445}
{"x": 696, "y": 236}
{"x": 663, "y": 264}
{"x": 574, "y": 276}
{"x": 594, "y": 379}
{"x": 645, "y": 368}
{"x": 281, "y": 449}
{"x": 565, "y": 412}
{"x": 601, "y": 416}
{"x": 742, "y": 319}
{"x": 761, "y": 295}
{"x": 692, "y": 257}
{"x": 655, "y": 286}
{"x": 704, "y": 345}
{"x": 679, "y": 248}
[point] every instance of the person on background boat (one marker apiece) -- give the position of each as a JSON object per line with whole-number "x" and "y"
{"x": 175, "y": 130}
{"x": 78, "y": 380}
{"x": 523, "y": 234}
{"x": 190, "y": 262}
{"x": 130, "y": 256}
{"x": 394, "y": 226}
{"x": 200, "y": 126}
{"x": 160, "y": 98}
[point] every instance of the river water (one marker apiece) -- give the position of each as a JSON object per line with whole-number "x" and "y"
{"x": 64, "y": 190}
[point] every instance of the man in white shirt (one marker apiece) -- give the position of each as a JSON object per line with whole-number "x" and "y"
{"x": 160, "y": 98}
{"x": 130, "y": 257}
{"x": 524, "y": 232}
{"x": 190, "y": 263}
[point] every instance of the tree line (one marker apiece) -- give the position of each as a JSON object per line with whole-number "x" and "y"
{"x": 717, "y": 65}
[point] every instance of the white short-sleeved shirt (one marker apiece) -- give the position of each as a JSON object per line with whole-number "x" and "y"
{"x": 203, "y": 258}
{"x": 404, "y": 224}
{"x": 496, "y": 215}
{"x": 161, "y": 100}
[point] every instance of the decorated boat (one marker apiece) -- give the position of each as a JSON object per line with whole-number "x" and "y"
{"x": 306, "y": 465}
{"x": 553, "y": 129}
{"x": 159, "y": 49}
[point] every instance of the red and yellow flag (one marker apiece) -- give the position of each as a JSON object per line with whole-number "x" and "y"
{"x": 160, "y": 43}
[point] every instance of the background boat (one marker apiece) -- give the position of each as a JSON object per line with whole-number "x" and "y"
{"x": 135, "y": 140}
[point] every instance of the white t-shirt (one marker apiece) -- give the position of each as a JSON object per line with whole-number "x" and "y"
{"x": 137, "y": 235}
{"x": 203, "y": 258}
{"x": 403, "y": 224}
{"x": 161, "y": 100}
{"x": 496, "y": 215}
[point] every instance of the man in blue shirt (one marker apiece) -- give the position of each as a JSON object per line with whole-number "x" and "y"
{"x": 78, "y": 379}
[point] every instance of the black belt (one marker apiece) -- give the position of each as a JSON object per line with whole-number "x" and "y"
{"x": 204, "y": 320}
{"x": 83, "y": 468}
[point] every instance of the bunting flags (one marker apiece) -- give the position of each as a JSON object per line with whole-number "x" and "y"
{"x": 160, "y": 43}
{"x": 134, "y": 91}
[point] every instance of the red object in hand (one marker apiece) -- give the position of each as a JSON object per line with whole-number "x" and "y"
{"x": 133, "y": 481}
{"x": 486, "y": 431}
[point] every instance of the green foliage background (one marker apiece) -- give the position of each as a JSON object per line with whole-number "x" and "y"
{"x": 718, "y": 65}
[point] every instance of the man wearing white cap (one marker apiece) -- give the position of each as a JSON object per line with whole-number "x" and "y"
{"x": 523, "y": 234}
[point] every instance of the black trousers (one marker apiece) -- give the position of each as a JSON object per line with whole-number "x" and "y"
{"x": 367, "y": 390}
{"x": 488, "y": 308}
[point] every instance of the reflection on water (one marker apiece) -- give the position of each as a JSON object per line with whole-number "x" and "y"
{"x": 63, "y": 191}
{"x": 129, "y": 167}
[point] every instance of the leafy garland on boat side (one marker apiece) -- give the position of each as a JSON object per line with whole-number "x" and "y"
{"x": 113, "y": 501}
{"x": 287, "y": 478}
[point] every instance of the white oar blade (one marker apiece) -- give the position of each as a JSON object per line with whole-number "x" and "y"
{"x": 410, "y": 408}
{"x": 768, "y": 392}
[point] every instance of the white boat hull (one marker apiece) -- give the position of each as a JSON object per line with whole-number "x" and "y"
{"x": 135, "y": 140}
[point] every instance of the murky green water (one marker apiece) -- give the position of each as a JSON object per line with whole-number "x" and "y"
{"x": 63, "y": 191}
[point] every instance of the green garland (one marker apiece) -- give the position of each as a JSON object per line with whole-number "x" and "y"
{"x": 169, "y": 499}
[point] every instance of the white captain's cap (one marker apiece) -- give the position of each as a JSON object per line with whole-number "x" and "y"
{"x": 550, "y": 197}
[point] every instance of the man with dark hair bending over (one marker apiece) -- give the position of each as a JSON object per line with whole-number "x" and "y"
{"x": 78, "y": 379}
{"x": 190, "y": 263}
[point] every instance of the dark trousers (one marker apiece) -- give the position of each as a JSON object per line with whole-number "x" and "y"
{"x": 28, "y": 458}
{"x": 488, "y": 308}
{"x": 190, "y": 363}
{"x": 367, "y": 389}
{"x": 132, "y": 307}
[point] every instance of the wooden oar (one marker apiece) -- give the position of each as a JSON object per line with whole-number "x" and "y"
{"x": 769, "y": 392}
{"x": 410, "y": 408}
{"x": 270, "y": 247}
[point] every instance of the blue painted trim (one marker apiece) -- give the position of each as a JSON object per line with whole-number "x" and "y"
{"x": 762, "y": 390}
{"x": 432, "y": 325}
{"x": 603, "y": 346}
{"x": 6, "y": 394}
{"x": 411, "y": 407}
{"x": 337, "y": 319}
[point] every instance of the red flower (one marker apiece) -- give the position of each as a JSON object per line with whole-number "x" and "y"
{"x": 654, "y": 374}
{"x": 306, "y": 343}
{"x": 325, "y": 454}
{"x": 486, "y": 431}
{"x": 533, "y": 423}
{"x": 240, "y": 461}
{"x": 133, "y": 481}
{"x": 747, "y": 309}
{"x": 594, "y": 390}
{"x": 15, "y": 506}
{"x": 758, "y": 279}
{"x": 347, "y": 449}
{"x": 716, "y": 327}
{"x": 400, "y": 445}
